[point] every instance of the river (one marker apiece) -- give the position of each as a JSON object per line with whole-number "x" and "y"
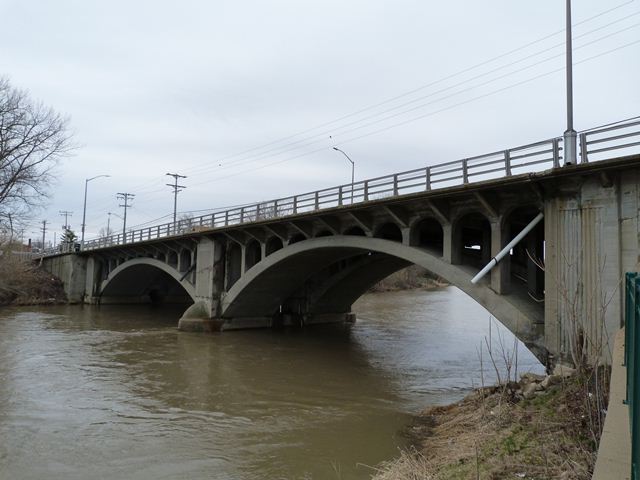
{"x": 118, "y": 393}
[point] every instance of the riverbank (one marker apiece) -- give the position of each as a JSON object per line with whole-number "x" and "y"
{"x": 24, "y": 283}
{"x": 413, "y": 277}
{"x": 538, "y": 428}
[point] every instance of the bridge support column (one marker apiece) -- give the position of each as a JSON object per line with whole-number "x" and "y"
{"x": 201, "y": 316}
{"x": 500, "y": 273}
{"x": 447, "y": 243}
{"x": 93, "y": 277}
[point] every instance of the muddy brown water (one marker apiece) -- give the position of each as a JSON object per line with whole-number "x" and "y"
{"x": 119, "y": 393}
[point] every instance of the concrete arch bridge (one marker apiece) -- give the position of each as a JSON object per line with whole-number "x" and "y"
{"x": 305, "y": 266}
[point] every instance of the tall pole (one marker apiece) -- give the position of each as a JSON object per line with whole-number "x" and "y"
{"x": 125, "y": 197}
{"x": 176, "y": 189}
{"x": 66, "y": 214}
{"x": 353, "y": 169}
{"x": 570, "y": 135}
{"x": 84, "y": 208}
{"x": 44, "y": 231}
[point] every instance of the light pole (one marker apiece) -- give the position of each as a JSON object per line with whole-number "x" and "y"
{"x": 109, "y": 221}
{"x": 353, "y": 168}
{"x": 570, "y": 135}
{"x": 84, "y": 208}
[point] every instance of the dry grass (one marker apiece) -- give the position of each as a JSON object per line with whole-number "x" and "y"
{"x": 409, "y": 278}
{"x": 23, "y": 283}
{"x": 488, "y": 437}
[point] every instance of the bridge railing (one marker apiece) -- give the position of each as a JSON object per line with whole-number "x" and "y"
{"x": 594, "y": 144}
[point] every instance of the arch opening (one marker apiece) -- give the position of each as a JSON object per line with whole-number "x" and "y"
{"x": 172, "y": 259}
{"x": 145, "y": 281}
{"x": 325, "y": 276}
{"x": 428, "y": 233}
{"x": 355, "y": 231}
{"x": 185, "y": 260}
{"x": 523, "y": 267}
{"x": 234, "y": 265}
{"x": 252, "y": 254}
{"x": 472, "y": 241}
{"x": 297, "y": 238}
{"x": 273, "y": 245}
{"x": 389, "y": 231}
{"x": 323, "y": 233}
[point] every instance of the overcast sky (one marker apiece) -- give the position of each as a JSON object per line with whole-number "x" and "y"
{"x": 241, "y": 96}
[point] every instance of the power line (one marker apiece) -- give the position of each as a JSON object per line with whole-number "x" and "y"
{"x": 207, "y": 166}
{"x": 407, "y": 111}
{"x": 404, "y": 122}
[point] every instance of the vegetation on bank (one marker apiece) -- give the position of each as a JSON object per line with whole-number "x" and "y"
{"x": 412, "y": 277}
{"x": 24, "y": 283}
{"x": 537, "y": 428}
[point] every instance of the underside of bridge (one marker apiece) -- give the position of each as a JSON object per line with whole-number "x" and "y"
{"x": 143, "y": 283}
{"x": 317, "y": 280}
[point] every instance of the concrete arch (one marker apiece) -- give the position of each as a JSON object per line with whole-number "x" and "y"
{"x": 271, "y": 282}
{"x": 144, "y": 265}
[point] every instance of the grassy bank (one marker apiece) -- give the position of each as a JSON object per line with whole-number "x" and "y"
{"x": 538, "y": 428}
{"x": 24, "y": 283}
{"x": 409, "y": 278}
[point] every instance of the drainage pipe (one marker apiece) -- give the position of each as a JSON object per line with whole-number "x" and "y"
{"x": 494, "y": 261}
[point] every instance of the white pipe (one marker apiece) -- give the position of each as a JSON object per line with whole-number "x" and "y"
{"x": 494, "y": 261}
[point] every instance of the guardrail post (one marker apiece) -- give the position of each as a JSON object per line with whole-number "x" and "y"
{"x": 226, "y": 218}
{"x": 366, "y": 191}
{"x": 395, "y": 185}
{"x": 507, "y": 163}
{"x": 555, "y": 146}
{"x": 295, "y": 204}
{"x": 242, "y": 215}
{"x": 275, "y": 208}
{"x": 257, "y": 211}
{"x": 465, "y": 171}
{"x": 427, "y": 178}
{"x": 583, "y": 148}
{"x": 340, "y": 195}
{"x": 317, "y": 201}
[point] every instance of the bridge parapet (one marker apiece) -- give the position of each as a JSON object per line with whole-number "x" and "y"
{"x": 595, "y": 144}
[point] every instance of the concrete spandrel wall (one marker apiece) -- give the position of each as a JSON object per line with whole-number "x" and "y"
{"x": 591, "y": 231}
{"x": 71, "y": 269}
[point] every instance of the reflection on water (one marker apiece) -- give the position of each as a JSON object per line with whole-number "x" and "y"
{"x": 118, "y": 392}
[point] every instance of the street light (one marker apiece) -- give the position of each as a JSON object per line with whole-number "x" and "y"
{"x": 353, "y": 167}
{"x": 109, "y": 221}
{"x": 570, "y": 135}
{"x": 84, "y": 208}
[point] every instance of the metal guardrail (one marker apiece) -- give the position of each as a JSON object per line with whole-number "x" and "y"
{"x": 533, "y": 157}
{"x": 632, "y": 362}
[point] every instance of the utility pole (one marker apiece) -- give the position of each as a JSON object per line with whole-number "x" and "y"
{"x": 570, "y": 135}
{"x": 66, "y": 214}
{"x": 44, "y": 230}
{"x": 176, "y": 189}
{"x": 125, "y": 197}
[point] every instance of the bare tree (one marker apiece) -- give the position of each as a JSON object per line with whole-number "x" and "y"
{"x": 33, "y": 138}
